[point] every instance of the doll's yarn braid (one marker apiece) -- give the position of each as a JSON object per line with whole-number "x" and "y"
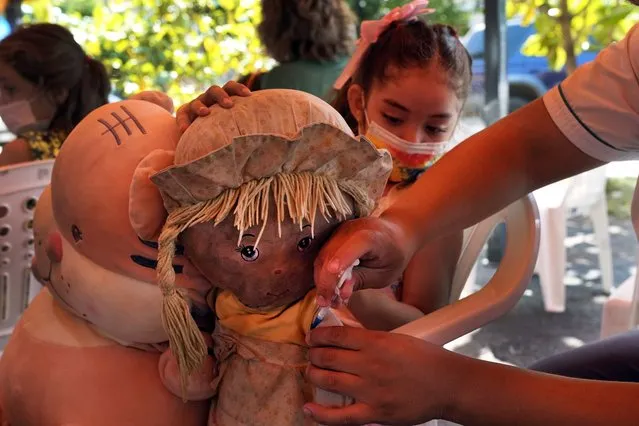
{"x": 301, "y": 195}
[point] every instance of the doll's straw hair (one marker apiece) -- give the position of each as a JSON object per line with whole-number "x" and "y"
{"x": 299, "y": 195}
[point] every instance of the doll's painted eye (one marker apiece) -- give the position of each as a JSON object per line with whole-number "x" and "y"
{"x": 304, "y": 244}
{"x": 249, "y": 253}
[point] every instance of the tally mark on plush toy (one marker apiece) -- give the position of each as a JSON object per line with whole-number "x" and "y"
{"x": 121, "y": 122}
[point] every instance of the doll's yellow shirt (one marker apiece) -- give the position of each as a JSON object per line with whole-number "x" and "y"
{"x": 288, "y": 324}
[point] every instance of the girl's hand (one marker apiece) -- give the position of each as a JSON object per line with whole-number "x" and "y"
{"x": 199, "y": 107}
{"x": 394, "y": 379}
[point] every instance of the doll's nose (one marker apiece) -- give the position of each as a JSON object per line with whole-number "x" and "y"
{"x": 277, "y": 272}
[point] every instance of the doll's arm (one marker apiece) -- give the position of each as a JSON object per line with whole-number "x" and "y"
{"x": 200, "y": 385}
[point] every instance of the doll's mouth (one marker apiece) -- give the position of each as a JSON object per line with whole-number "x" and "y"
{"x": 277, "y": 294}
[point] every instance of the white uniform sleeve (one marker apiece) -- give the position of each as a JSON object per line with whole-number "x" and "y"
{"x": 597, "y": 107}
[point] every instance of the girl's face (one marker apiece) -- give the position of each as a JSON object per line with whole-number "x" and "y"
{"x": 15, "y": 91}
{"x": 416, "y": 104}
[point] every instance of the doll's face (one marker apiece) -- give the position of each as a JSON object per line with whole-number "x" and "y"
{"x": 276, "y": 273}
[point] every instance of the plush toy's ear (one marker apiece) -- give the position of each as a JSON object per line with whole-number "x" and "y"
{"x": 156, "y": 97}
{"x": 146, "y": 209}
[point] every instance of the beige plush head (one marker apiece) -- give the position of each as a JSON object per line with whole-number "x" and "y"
{"x": 101, "y": 270}
{"x": 156, "y": 97}
{"x": 281, "y": 169}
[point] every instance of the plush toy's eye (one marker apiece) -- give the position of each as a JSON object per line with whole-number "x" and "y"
{"x": 249, "y": 253}
{"x": 76, "y": 233}
{"x": 304, "y": 244}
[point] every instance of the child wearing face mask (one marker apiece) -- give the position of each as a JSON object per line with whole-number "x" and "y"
{"x": 403, "y": 89}
{"x": 47, "y": 85}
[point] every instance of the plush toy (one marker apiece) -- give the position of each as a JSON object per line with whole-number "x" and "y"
{"x": 253, "y": 193}
{"x": 90, "y": 349}
{"x": 156, "y": 97}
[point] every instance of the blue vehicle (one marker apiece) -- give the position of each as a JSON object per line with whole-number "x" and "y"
{"x": 529, "y": 77}
{"x": 5, "y": 28}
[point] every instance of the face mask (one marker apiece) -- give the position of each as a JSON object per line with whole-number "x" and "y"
{"x": 410, "y": 159}
{"x": 17, "y": 115}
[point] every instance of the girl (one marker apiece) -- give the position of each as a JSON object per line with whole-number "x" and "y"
{"x": 47, "y": 85}
{"x": 404, "y": 89}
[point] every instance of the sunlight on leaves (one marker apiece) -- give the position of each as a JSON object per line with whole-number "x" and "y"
{"x": 588, "y": 25}
{"x": 179, "y": 47}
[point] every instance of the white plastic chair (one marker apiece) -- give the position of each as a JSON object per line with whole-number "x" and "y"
{"x": 620, "y": 311}
{"x": 503, "y": 290}
{"x": 584, "y": 194}
{"x": 20, "y": 187}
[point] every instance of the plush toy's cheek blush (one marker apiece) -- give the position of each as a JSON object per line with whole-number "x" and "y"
{"x": 54, "y": 247}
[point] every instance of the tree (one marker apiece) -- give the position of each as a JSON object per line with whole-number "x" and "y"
{"x": 449, "y": 12}
{"x": 177, "y": 46}
{"x": 565, "y": 28}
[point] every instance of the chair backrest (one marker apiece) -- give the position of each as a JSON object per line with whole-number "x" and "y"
{"x": 503, "y": 290}
{"x": 586, "y": 190}
{"x": 20, "y": 187}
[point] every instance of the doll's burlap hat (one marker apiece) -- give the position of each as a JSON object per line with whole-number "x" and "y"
{"x": 280, "y": 146}
{"x": 269, "y": 133}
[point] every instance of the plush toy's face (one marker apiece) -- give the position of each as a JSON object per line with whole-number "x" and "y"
{"x": 277, "y": 272}
{"x": 91, "y": 181}
{"x": 101, "y": 270}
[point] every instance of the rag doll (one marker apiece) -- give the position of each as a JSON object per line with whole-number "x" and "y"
{"x": 252, "y": 194}
{"x": 90, "y": 349}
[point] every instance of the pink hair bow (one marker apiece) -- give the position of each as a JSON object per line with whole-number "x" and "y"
{"x": 371, "y": 30}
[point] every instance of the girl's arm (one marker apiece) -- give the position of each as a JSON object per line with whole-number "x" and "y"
{"x": 429, "y": 275}
{"x": 425, "y": 288}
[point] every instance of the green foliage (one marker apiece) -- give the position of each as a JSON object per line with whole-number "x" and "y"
{"x": 178, "y": 46}
{"x": 593, "y": 24}
{"x": 619, "y": 192}
{"x": 448, "y": 12}
{"x": 182, "y": 47}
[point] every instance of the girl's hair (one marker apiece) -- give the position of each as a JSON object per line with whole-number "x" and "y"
{"x": 404, "y": 45}
{"x": 48, "y": 56}
{"x": 318, "y": 30}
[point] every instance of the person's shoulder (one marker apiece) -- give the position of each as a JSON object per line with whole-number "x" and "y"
{"x": 625, "y": 49}
{"x": 632, "y": 39}
{"x": 597, "y": 106}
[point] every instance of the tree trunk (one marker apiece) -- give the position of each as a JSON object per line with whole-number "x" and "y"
{"x": 565, "y": 20}
{"x": 13, "y": 13}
